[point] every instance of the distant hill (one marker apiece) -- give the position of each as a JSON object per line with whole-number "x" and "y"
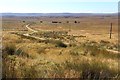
{"x": 57, "y": 14}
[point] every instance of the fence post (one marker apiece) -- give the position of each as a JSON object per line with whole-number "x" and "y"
{"x": 111, "y": 31}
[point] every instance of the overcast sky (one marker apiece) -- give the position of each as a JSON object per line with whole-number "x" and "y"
{"x": 59, "y": 6}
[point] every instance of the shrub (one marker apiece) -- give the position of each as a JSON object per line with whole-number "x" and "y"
{"x": 75, "y": 22}
{"x": 10, "y": 49}
{"x": 103, "y": 41}
{"x": 23, "y": 21}
{"x": 54, "y": 22}
{"x": 41, "y": 21}
{"x": 67, "y": 21}
{"x": 60, "y": 44}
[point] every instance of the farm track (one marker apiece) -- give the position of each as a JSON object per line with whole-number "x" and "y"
{"x": 113, "y": 51}
{"x": 33, "y": 31}
{"x": 27, "y": 26}
{"x": 28, "y": 35}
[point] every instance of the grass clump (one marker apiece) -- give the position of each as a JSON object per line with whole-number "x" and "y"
{"x": 10, "y": 49}
{"x": 91, "y": 70}
{"x": 21, "y": 52}
{"x": 77, "y": 51}
{"x": 92, "y": 49}
{"x": 41, "y": 50}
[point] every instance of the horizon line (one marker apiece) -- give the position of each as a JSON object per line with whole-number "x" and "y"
{"x": 60, "y": 12}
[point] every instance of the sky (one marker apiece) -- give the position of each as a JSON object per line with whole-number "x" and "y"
{"x": 59, "y": 6}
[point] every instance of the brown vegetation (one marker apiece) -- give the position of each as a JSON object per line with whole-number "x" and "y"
{"x": 60, "y": 50}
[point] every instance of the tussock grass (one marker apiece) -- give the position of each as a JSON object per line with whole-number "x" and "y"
{"x": 91, "y": 70}
{"x": 83, "y": 69}
{"x": 11, "y": 49}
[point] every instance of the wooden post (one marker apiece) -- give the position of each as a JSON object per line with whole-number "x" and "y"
{"x": 111, "y": 31}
